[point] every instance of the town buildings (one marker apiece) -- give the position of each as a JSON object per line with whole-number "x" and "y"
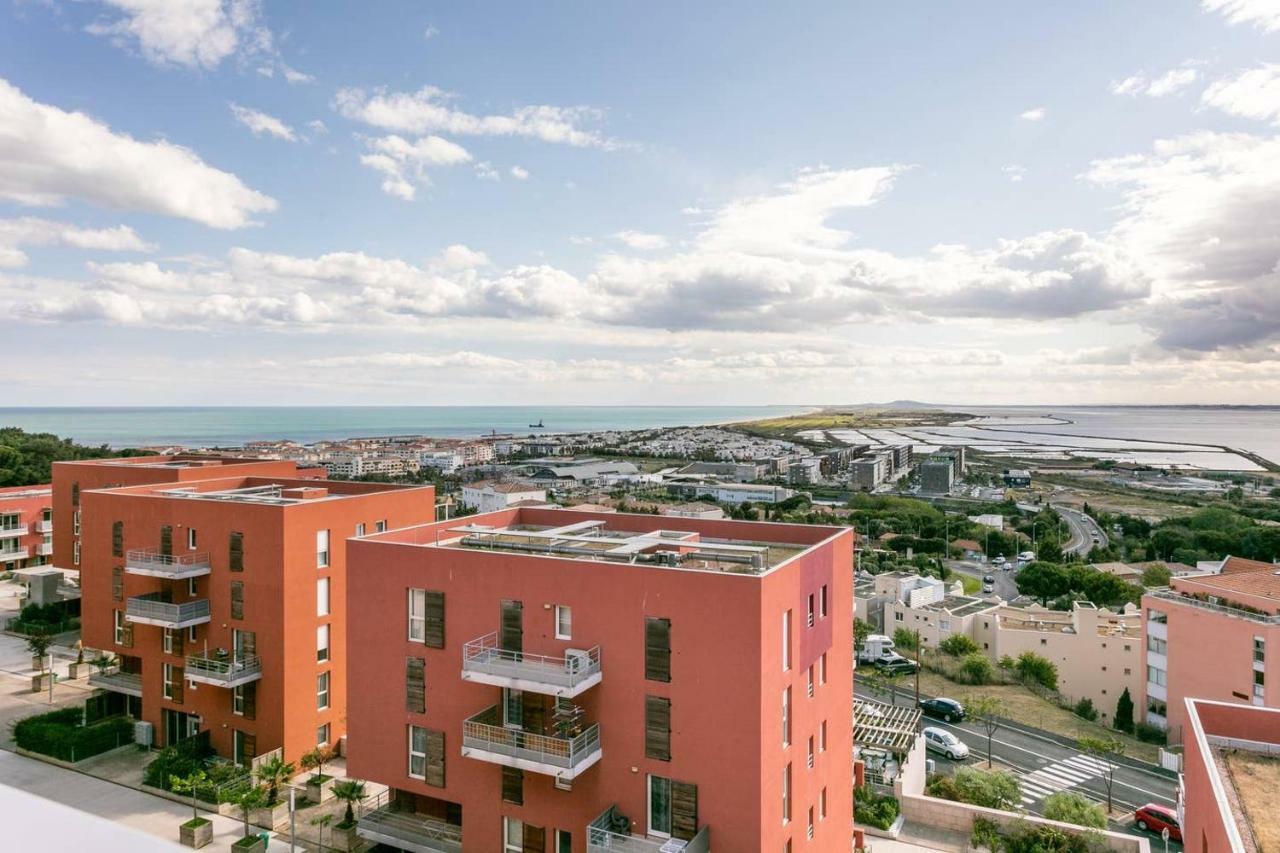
{"x": 487, "y": 497}
{"x": 732, "y": 493}
{"x": 26, "y": 527}
{"x": 573, "y": 681}
{"x": 937, "y": 476}
{"x": 220, "y": 587}
{"x": 1214, "y": 637}
{"x": 927, "y": 606}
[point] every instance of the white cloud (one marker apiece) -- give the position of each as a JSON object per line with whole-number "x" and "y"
{"x": 460, "y": 257}
{"x": 404, "y": 164}
{"x": 429, "y": 110}
{"x": 30, "y": 231}
{"x": 520, "y": 173}
{"x": 317, "y": 126}
{"x": 294, "y": 76}
{"x": 1170, "y": 82}
{"x": 1034, "y": 114}
{"x": 48, "y": 155}
{"x": 486, "y": 172}
{"x": 259, "y": 123}
{"x": 429, "y": 33}
{"x": 641, "y": 240}
{"x": 1263, "y": 14}
{"x": 190, "y": 33}
{"x": 1251, "y": 94}
{"x": 1014, "y": 172}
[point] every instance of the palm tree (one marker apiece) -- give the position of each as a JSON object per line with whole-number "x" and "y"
{"x": 350, "y": 791}
{"x": 273, "y": 773}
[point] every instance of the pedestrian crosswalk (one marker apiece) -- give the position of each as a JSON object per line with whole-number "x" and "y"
{"x": 1060, "y": 776}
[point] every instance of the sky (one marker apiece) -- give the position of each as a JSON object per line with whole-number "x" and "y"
{"x": 253, "y": 202}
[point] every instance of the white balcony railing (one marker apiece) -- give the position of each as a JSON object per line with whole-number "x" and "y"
{"x": 223, "y": 672}
{"x": 151, "y": 609}
{"x": 152, "y": 563}
{"x": 15, "y": 554}
{"x": 14, "y": 530}
{"x": 43, "y": 526}
{"x": 486, "y": 739}
{"x": 128, "y": 683}
{"x": 408, "y": 831}
{"x": 609, "y": 833}
{"x": 565, "y": 676}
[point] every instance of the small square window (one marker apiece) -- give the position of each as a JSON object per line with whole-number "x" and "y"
{"x": 191, "y": 538}
{"x": 564, "y": 622}
{"x": 322, "y": 735}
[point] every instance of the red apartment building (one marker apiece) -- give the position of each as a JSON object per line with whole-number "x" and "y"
{"x": 26, "y": 527}
{"x": 548, "y": 680}
{"x": 220, "y": 587}
{"x": 1214, "y": 637}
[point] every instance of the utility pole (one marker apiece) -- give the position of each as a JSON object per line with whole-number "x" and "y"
{"x": 917, "y": 667}
{"x": 293, "y": 813}
{"x": 53, "y": 676}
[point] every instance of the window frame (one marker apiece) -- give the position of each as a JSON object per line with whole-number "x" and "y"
{"x": 420, "y": 618}
{"x": 324, "y": 690}
{"x": 323, "y": 554}
{"x": 412, "y": 753}
{"x": 324, "y": 605}
{"x": 566, "y": 611}
{"x": 323, "y": 652}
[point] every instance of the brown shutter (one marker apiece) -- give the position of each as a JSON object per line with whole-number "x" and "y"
{"x": 126, "y": 635}
{"x": 434, "y": 629}
{"x": 657, "y": 649}
{"x": 657, "y": 727}
{"x": 684, "y": 810}
{"x": 117, "y": 583}
{"x": 177, "y": 685}
{"x": 512, "y": 633}
{"x": 235, "y": 552}
{"x": 166, "y": 540}
{"x": 177, "y": 640}
{"x": 117, "y": 538}
{"x": 75, "y": 494}
{"x": 237, "y": 599}
{"x": 248, "y": 643}
{"x": 535, "y": 839}
{"x": 250, "y": 693}
{"x": 513, "y": 785}
{"x": 415, "y": 685}
{"x": 248, "y": 747}
{"x": 435, "y": 758}
{"x": 533, "y": 713}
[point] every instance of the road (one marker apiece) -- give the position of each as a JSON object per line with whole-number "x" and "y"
{"x": 1045, "y": 766}
{"x": 1083, "y": 531}
{"x": 1005, "y": 586}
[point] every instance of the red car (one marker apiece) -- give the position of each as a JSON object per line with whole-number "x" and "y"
{"x": 1153, "y": 818}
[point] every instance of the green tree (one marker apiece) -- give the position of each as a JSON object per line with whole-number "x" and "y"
{"x": 1157, "y": 574}
{"x": 248, "y": 800}
{"x": 1043, "y": 581}
{"x": 1124, "y": 712}
{"x": 349, "y": 791}
{"x": 38, "y": 643}
{"x": 316, "y": 760}
{"x": 273, "y": 773}
{"x": 188, "y": 784}
{"x": 1070, "y": 807}
{"x": 1032, "y": 667}
{"x": 26, "y": 458}
{"x": 958, "y": 645}
{"x": 990, "y": 789}
{"x": 1049, "y": 551}
{"x": 322, "y": 821}
{"x": 905, "y": 638}
{"x": 1106, "y": 752}
{"x": 989, "y": 713}
{"x": 861, "y": 630}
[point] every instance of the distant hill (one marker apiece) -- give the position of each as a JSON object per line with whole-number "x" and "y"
{"x": 896, "y": 405}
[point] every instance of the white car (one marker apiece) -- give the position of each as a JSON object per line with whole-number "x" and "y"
{"x": 999, "y": 561}
{"x": 941, "y": 740}
{"x": 1026, "y": 556}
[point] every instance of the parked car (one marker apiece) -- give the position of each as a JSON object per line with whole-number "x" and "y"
{"x": 941, "y": 740}
{"x": 999, "y": 561}
{"x": 1154, "y": 818}
{"x": 948, "y": 709}
{"x": 988, "y": 587}
{"x": 901, "y": 664}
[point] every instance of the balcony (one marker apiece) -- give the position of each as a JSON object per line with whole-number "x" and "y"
{"x": 567, "y": 676}
{"x": 45, "y": 549}
{"x": 153, "y": 564}
{"x": 43, "y": 526}
{"x": 602, "y": 838}
{"x": 408, "y": 831}
{"x": 15, "y": 554}
{"x": 14, "y": 530}
{"x": 128, "y": 683}
{"x": 223, "y": 672}
{"x": 151, "y": 609}
{"x": 485, "y": 738}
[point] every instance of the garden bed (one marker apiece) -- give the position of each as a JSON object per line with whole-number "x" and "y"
{"x": 61, "y": 735}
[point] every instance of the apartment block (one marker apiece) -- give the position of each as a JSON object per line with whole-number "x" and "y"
{"x": 927, "y": 606}
{"x": 223, "y": 599}
{"x": 576, "y": 681}
{"x": 26, "y": 527}
{"x": 1208, "y": 637}
{"x": 487, "y": 497}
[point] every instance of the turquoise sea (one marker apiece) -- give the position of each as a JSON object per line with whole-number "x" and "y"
{"x": 198, "y": 426}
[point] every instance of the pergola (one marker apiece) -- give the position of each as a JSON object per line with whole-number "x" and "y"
{"x": 879, "y": 725}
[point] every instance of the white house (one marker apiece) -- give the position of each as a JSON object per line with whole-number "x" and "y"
{"x": 488, "y": 497}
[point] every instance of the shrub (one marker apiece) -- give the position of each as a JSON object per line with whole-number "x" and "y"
{"x": 1031, "y": 667}
{"x": 958, "y": 645}
{"x": 1070, "y": 807}
{"x": 60, "y": 735}
{"x": 1124, "y": 712}
{"x": 1084, "y": 708}
{"x": 1148, "y": 733}
{"x": 975, "y": 669}
{"x": 986, "y": 833}
{"x": 904, "y": 639}
{"x": 1026, "y": 837}
{"x": 992, "y": 789}
{"x": 181, "y": 759}
{"x": 878, "y": 810}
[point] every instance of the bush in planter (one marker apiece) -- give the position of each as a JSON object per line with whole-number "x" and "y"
{"x": 1025, "y": 837}
{"x": 986, "y": 833}
{"x": 38, "y": 643}
{"x": 187, "y": 785}
{"x": 178, "y": 760}
{"x": 316, "y": 760}
{"x": 1070, "y": 807}
{"x": 249, "y": 799}
{"x": 874, "y": 809}
{"x": 993, "y": 789}
{"x": 350, "y": 791}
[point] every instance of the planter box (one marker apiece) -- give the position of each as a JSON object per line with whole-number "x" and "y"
{"x": 343, "y": 839}
{"x": 270, "y": 818}
{"x": 40, "y": 682}
{"x": 37, "y": 663}
{"x": 322, "y": 791}
{"x": 250, "y": 844}
{"x": 78, "y": 670}
{"x": 196, "y": 836}
{"x": 894, "y": 830}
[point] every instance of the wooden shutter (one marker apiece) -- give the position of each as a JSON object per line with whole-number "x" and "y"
{"x": 250, "y": 693}
{"x": 126, "y": 634}
{"x": 415, "y": 685}
{"x": 117, "y": 538}
{"x": 177, "y": 685}
{"x": 166, "y": 540}
{"x": 248, "y": 643}
{"x": 117, "y": 583}
{"x": 248, "y": 748}
{"x": 177, "y": 640}
{"x": 237, "y": 599}
{"x": 513, "y": 785}
{"x": 434, "y": 629}
{"x": 657, "y": 649}
{"x": 75, "y": 494}
{"x": 235, "y": 552}
{"x": 435, "y": 758}
{"x": 511, "y": 637}
{"x": 684, "y": 810}
{"x": 657, "y": 727}
{"x": 535, "y": 839}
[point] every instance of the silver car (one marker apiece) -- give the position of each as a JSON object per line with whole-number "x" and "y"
{"x": 941, "y": 740}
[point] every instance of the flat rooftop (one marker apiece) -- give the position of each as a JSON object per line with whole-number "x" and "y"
{"x": 1254, "y": 779}
{"x": 269, "y": 491}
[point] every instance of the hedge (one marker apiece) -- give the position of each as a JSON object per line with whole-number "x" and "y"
{"x": 59, "y": 734}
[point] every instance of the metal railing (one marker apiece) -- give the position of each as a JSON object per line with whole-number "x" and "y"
{"x": 484, "y": 732}
{"x": 152, "y": 609}
{"x": 228, "y": 671}
{"x": 381, "y": 822}
{"x": 112, "y": 679}
{"x": 1180, "y": 598}
{"x": 567, "y": 671}
{"x": 44, "y": 549}
{"x": 14, "y": 530}
{"x": 152, "y": 561}
{"x": 601, "y": 838}
{"x": 43, "y": 526}
{"x": 15, "y": 554}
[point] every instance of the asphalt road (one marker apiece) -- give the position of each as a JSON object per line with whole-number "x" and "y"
{"x": 1083, "y": 531}
{"x": 1044, "y": 766}
{"x": 1005, "y": 586}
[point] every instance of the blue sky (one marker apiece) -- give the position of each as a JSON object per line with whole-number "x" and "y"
{"x": 243, "y": 202}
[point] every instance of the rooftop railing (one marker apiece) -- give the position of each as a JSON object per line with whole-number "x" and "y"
{"x": 152, "y": 609}
{"x": 485, "y": 738}
{"x": 1167, "y": 594}
{"x": 150, "y": 561}
{"x": 565, "y": 675}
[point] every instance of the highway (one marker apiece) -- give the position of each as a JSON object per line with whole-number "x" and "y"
{"x": 1045, "y": 765}
{"x": 1083, "y": 531}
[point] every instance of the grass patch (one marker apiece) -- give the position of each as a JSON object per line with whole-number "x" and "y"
{"x": 972, "y": 586}
{"x": 195, "y": 823}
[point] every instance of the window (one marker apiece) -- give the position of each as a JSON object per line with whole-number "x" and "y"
{"x": 810, "y": 830}
{"x": 564, "y": 841}
{"x": 237, "y": 700}
{"x": 1259, "y": 650}
{"x": 322, "y": 735}
{"x": 1159, "y": 617}
{"x": 193, "y": 587}
{"x": 75, "y": 553}
{"x": 380, "y": 526}
{"x": 119, "y": 627}
{"x": 1157, "y": 645}
{"x": 1259, "y": 681}
{"x": 1157, "y": 707}
{"x": 237, "y": 599}
{"x": 657, "y": 649}
{"x": 322, "y": 643}
{"x": 417, "y": 752}
{"x": 167, "y": 637}
{"x": 810, "y": 752}
{"x": 659, "y": 807}
{"x": 191, "y": 633}
{"x": 172, "y": 683}
{"x": 822, "y": 602}
{"x": 235, "y": 552}
{"x": 322, "y": 597}
{"x": 786, "y": 641}
{"x": 75, "y": 523}
{"x": 1156, "y": 676}
{"x": 513, "y": 785}
{"x": 322, "y": 548}
{"x": 786, "y": 717}
{"x": 809, "y": 610}
{"x": 657, "y": 727}
{"x": 822, "y": 805}
{"x": 322, "y": 691}
{"x": 191, "y": 538}
{"x": 415, "y": 685}
{"x": 808, "y": 681}
{"x": 117, "y": 583}
{"x": 822, "y": 737}
{"x": 417, "y": 615}
{"x": 360, "y": 529}
{"x": 786, "y": 795}
{"x": 117, "y": 538}
{"x": 512, "y": 835}
{"x": 822, "y": 669}
{"x": 426, "y": 755}
{"x": 564, "y": 622}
